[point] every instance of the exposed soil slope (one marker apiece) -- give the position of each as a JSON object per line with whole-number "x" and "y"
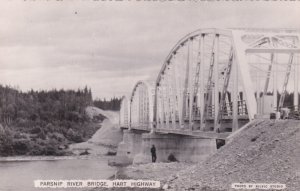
{"x": 109, "y": 135}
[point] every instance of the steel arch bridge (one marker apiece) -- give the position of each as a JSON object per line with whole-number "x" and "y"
{"x": 217, "y": 80}
{"x": 137, "y": 112}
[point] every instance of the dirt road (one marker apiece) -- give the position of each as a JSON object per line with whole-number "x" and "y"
{"x": 106, "y": 138}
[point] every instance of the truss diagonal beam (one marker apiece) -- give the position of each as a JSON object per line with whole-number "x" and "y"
{"x": 241, "y": 60}
{"x": 286, "y": 81}
{"x": 225, "y": 87}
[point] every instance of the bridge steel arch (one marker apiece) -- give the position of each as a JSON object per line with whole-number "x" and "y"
{"x": 124, "y": 116}
{"x": 207, "y": 81}
{"x": 141, "y": 106}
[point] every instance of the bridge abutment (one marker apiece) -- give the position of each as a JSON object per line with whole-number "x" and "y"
{"x": 183, "y": 148}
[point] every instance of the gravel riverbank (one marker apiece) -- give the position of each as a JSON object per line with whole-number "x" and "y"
{"x": 264, "y": 152}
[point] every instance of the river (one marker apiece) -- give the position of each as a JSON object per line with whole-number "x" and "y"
{"x": 20, "y": 175}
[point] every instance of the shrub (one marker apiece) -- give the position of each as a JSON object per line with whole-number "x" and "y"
{"x": 172, "y": 158}
{"x": 6, "y": 143}
{"x": 21, "y": 146}
{"x": 36, "y": 130}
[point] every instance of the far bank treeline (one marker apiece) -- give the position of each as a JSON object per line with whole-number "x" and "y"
{"x": 46, "y": 122}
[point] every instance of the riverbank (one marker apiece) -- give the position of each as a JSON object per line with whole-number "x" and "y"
{"x": 51, "y": 158}
{"x": 163, "y": 172}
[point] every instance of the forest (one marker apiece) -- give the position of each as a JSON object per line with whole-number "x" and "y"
{"x": 44, "y": 122}
{"x": 112, "y": 104}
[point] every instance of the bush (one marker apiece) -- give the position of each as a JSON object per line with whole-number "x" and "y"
{"x": 19, "y": 135}
{"x": 77, "y": 138}
{"x": 50, "y": 150}
{"x": 37, "y": 150}
{"x": 21, "y": 147}
{"x": 172, "y": 158}
{"x": 6, "y": 143}
{"x": 58, "y": 136}
{"x": 36, "y": 130}
{"x": 42, "y": 135}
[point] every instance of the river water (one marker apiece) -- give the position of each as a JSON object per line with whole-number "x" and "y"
{"x": 20, "y": 175}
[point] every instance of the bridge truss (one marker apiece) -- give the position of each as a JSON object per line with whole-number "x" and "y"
{"x": 214, "y": 79}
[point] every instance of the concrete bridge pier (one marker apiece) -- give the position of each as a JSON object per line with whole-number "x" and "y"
{"x": 130, "y": 146}
{"x": 183, "y": 148}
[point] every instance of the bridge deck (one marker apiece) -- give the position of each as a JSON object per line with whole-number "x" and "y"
{"x": 187, "y": 132}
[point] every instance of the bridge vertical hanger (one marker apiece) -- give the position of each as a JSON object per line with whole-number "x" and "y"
{"x": 190, "y": 86}
{"x": 172, "y": 96}
{"x": 177, "y": 94}
{"x": 296, "y": 80}
{"x": 140, "y": 108}
{"x": 130, "y": 115}
{"x": 179, "y": 87}
{"x": 166, "y": 98}
{"x": 137, "y": 109}
{"x": 161, "y": 112}
{"x": 163, "y": 105}
{"x": 154, "y": 125}
{"x": 296, "y": 84}
{"x": 186, "y": 83}
{"x": 216, "y": 81}
{"x": 202, "y": 90}
{"x": 234, "y": 95}
{"x": 195, "y": 96}
{"x": 275, "y": 96}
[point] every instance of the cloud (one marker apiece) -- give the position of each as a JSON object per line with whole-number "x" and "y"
{"x": 111, "y": 45}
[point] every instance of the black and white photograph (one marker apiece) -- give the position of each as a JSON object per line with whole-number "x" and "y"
{"x": 149, "y": 95}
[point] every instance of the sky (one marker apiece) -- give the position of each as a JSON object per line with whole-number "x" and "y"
{"x": 110, "y": 45}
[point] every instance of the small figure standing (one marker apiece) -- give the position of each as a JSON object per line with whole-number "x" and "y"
{"x": 153, "y": 153}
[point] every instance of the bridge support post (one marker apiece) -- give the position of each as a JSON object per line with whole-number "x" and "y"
{"x": 183, "y": 148}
